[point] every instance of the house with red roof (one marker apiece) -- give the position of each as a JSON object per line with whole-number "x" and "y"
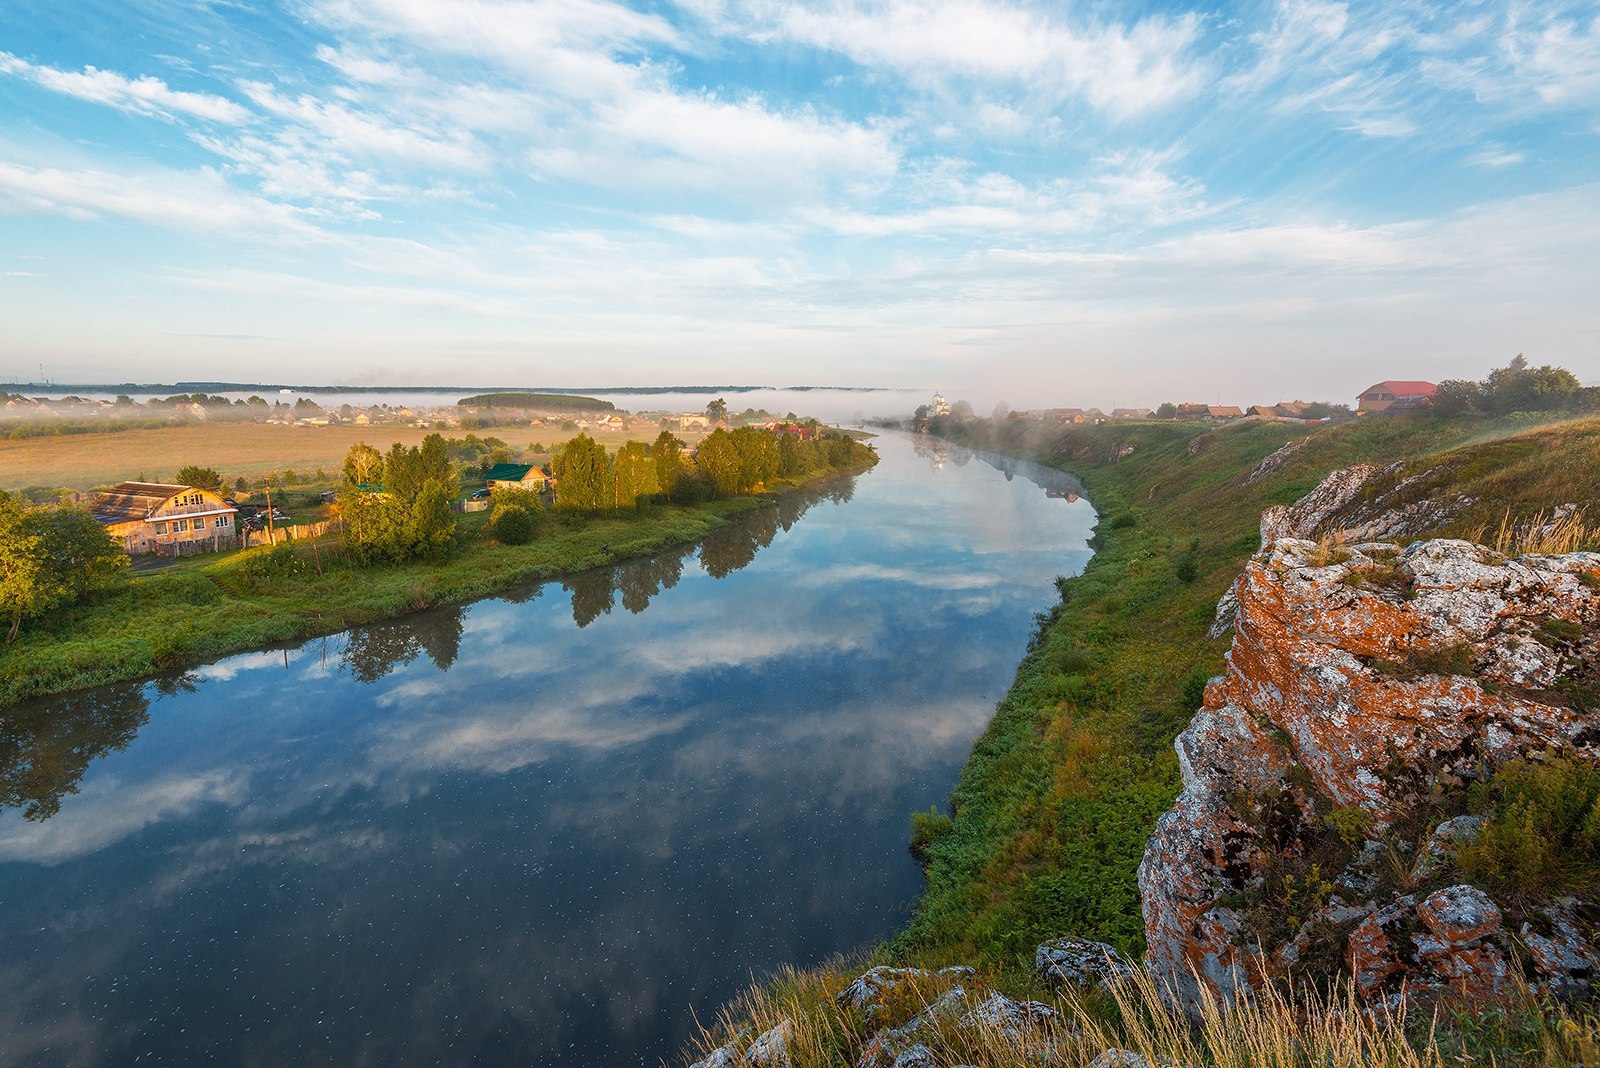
{"x": 1384, "y": 395}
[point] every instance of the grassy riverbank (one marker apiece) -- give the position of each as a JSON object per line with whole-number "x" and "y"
{"x": 1050, "y": 816}
{"x": 1053, "y": 807}
{"x": 183, "y": 616}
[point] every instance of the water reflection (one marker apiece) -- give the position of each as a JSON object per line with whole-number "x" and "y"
{"x": 486, "y": 835}
{"x": 46, "y": 748}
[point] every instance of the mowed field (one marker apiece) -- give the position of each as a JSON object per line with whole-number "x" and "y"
{"x": 83, "y": 461}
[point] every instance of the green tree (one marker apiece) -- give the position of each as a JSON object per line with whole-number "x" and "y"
{"x": 717, "y": 411}
{"x": 23, "y": 584}
{"x": 718, "y": 461}
{"x": 667, "y": 453}
{"x": 633, "y": 475}
{"x": 1167, "y": 410}
{"x": 202, "y": 477}
{"x": 583, "y": 476}
{"x": 50, "y": 557}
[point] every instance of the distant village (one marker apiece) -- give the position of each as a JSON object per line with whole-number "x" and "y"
{"x": 1393, "y": 397}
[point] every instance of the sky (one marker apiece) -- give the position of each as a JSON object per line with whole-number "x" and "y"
{"x": 1063, "y": 203}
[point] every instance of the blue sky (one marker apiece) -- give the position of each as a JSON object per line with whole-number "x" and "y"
{"x": 1054, "y": 203}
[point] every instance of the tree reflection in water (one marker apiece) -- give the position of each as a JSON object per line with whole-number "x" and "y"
{"x": 594, "y": 593}
{"x": 46, "y": 747}
{"x": 370, "y": 653}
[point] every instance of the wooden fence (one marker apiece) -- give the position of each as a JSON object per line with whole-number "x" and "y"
{"x": 279, "y": 534}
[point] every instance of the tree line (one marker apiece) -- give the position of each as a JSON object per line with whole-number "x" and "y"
{"x": 1517, "y": 387}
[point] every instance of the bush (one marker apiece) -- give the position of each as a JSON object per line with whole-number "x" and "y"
{"x": 1193, "y": 690}
{"x": 511, "y": 524}
{"x": 927, "y": 828}
{"x": 1542, "y": 834}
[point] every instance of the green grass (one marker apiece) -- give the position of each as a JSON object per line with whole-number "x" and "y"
{"x": 178, "y": 617}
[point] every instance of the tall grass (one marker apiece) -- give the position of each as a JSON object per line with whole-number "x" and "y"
{"x": 1543, "y": 533}
{"x": 1336, "y": 1029}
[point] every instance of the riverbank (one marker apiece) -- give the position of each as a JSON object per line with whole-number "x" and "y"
{"x": 182, "y": 617}
{"x": 1049, "y": 819}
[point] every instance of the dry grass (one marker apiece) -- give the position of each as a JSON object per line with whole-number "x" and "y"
{"x": 1332, "y": 1031}
{"x": 1543, "y": 534}
{"x": 84, "y": 461}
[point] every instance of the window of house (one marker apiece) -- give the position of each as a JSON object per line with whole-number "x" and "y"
{"x": 180, "y": 525}
{"x": 161, "y": 528}
{"x": 222, "y": 521}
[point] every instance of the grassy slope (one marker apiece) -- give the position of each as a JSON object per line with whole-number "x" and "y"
{"x": 1053, "y": 807}
{"x": 184, "y": 616}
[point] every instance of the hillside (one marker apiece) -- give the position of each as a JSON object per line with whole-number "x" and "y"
{"x": 1051, "y": 815}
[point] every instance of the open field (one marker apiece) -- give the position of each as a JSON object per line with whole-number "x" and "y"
{"x": 81, "y": 462}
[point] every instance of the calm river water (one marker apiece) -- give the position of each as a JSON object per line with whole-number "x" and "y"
{"x": 535, "y": 830}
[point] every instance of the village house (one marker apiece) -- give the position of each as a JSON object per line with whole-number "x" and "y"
{"x": 693, "y": 419}
{"x": 1210, "y": 411}
{"x": 522, "y": 476}
{"x": 1385, "y": 395}
{"x": 1130, "y": 413}
{"x": 150, "y": 517}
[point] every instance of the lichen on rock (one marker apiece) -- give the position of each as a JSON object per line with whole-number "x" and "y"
{"x": 1365, "y": 682}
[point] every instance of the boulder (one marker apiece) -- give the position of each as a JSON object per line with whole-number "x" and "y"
{"x": 1075, "y": 963}
{"x": 771, "y": 1049}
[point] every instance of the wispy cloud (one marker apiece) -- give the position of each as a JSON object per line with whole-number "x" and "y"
{"x": 144, "y": 95}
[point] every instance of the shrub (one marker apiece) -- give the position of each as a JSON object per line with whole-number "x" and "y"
{"x": 1186, "y": 569}
{"x": 927, "y": 828}
{"x": 512, "y": 525}
{"x": 1351, "y": 823}
{"x": 1543, "y": 830}
{"x": 1192, "y": 692}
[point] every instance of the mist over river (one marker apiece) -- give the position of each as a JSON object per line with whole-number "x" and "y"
{"x": 538, "y": 829}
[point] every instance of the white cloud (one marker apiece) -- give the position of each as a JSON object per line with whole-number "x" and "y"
{"x": 145, "y": 95}
{"x": 191, "y": 201}
{"x": 1121, "y": 70}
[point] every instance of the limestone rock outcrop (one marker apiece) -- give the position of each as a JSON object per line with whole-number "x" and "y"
{"x": 1366, "y": 687}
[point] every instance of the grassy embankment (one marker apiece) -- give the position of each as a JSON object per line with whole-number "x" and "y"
{"x": 1054, "y": 805}
{"x": 183, "y": 616}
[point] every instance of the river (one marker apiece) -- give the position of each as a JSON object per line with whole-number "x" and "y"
{"x": 536, "y": 830}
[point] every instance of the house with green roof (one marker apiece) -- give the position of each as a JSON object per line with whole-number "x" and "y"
{"x": 523, "y": 476}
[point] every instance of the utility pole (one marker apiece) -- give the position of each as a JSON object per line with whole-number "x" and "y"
{"x": 272, "y": 538}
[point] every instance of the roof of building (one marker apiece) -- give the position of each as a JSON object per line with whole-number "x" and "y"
{"x": 135, "y": 500}
{"x": 1403, "y": 389}
{"x": 509, "y": 472}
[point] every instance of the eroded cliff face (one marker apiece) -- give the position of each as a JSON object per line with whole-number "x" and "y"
{"x": 1367, "y": 688}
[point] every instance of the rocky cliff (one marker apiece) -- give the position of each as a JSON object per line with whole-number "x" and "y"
{"x": 1339, "y": 773}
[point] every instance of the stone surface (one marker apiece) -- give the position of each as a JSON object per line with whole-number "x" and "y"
{"x": 1366, "y": 678}
{"x": 918, "y": 1056}
{"x": 1001, "y": 1016}
{"x": 1076, "y": 963}
{"x": 866, "y": 991}
{"x": 1119, "y": 1058}
{"x": 721, "y": 1057}
{"x": 771, "y": 1049}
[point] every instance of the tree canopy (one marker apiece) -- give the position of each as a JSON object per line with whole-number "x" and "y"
{"x": 50, "y": 557}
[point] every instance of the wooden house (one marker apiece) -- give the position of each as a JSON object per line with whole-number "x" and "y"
{"x": 147, "y": 517}
{"x": 1384, "y": 395}
{"x": 522, "y": 476}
